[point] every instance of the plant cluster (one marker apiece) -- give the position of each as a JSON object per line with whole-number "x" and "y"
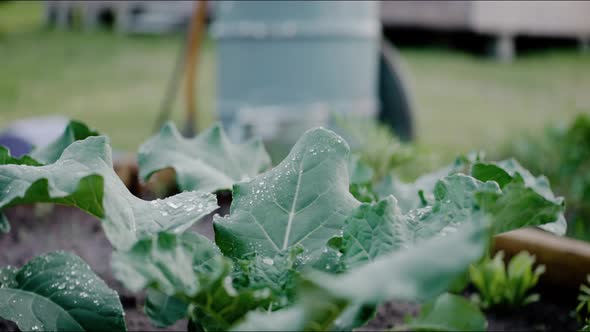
{"x": 562, "y": 153}
{"x": 583, "y": 308}
{"x": 505, "y": 287}
{"x": 297, "y": 251}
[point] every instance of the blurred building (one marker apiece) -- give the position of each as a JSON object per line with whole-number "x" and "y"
{"x": 502, "y": 20}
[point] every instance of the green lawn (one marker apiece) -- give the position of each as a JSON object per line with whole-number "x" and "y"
{"x": 116, "y": 83}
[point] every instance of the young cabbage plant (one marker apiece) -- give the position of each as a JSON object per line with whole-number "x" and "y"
{"x": 505, "y": 287}
{"x": 208, "y": 162}
{"x": 291, "y": 223}
{"x": 83, "y": 176}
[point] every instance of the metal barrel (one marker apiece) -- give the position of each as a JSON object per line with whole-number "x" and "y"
{"x": 286, "y": 66}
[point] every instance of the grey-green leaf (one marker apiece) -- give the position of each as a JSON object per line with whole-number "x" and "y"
{"x": 373, "y": 230}
{"x": 409, "y": 194}
{"x": 416, "y": 273}
{"x": 412, "y": 274}
{"x": 378, "y": 228}
{"x": 164, "y": 310}
{"x": 304, "y": 200}
{"x": 455, "y": 203}
{"x": 278, "y": 274}
{"x": 84, "y": 177}
{"x": 168, "y": 262}
{"x": 189, "y": 269}
{"x": 448, "y": 313}
{"x": 59, "y": 292}
{"x": 208, "y": 162}
{"x": 74, "y": 131}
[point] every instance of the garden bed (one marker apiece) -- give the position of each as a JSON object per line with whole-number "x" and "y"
{"x": 46, "y": 228}
{"x": 316, "y": 208}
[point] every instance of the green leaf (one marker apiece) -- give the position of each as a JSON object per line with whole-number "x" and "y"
{"x": 278, "y": 274}
{"x": 189, "y": 268}
{"x": 84, "y": 177}
{"x": 74, "y": 131}
{"x": 304, "y": 200}
{"x": 7, "y": 159}
{"x": 208, "y": 162}
{"x": 219, "y": 305}
{"x": 412, "y": 274}
{"x": 448, "y": 313}
{"x": 525, "y": 200}
{"x": 416, "y": 273}
{"x": 164, "y": 310}
{"x": 409, "y": 194}
{"x": 499, "y": 286}
{"x": 59, "y": 292}
{"x": 168, "y": 262}
{"x": 373, "y": 230}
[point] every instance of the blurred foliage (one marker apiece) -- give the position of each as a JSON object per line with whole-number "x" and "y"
{"x": 374, "y": 143}
{"x": 562, "y": 153}
{"x": 504, "y": 287}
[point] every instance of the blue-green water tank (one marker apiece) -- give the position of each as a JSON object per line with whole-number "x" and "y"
{"x": 286, "y": 66}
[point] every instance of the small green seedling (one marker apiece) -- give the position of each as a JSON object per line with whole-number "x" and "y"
{"x": 499, "y": 286}
{"x": 583, "y": 308}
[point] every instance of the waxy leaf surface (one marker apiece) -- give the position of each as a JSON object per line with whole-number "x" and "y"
{"x": 412, "y": 274}
{"x": 84, "y": 177}
{"x": 59, "y": 292}
{"x": 303, "y": 201}
{"x": 208, "y": 162}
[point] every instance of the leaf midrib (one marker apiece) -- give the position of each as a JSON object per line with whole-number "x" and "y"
{"x": 293, "y": 205}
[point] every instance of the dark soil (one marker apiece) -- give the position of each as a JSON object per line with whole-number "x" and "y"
{"x": 44, "y": 228}
{"x": 551, "y": 314}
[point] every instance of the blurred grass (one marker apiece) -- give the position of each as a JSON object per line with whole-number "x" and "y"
{"x": 18, "y": 16}
{"x": 465, "y": 102}
{"x": 116, "y": 84}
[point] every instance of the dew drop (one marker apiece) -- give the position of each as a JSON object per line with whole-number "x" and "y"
{"x": 172, "y": 205}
